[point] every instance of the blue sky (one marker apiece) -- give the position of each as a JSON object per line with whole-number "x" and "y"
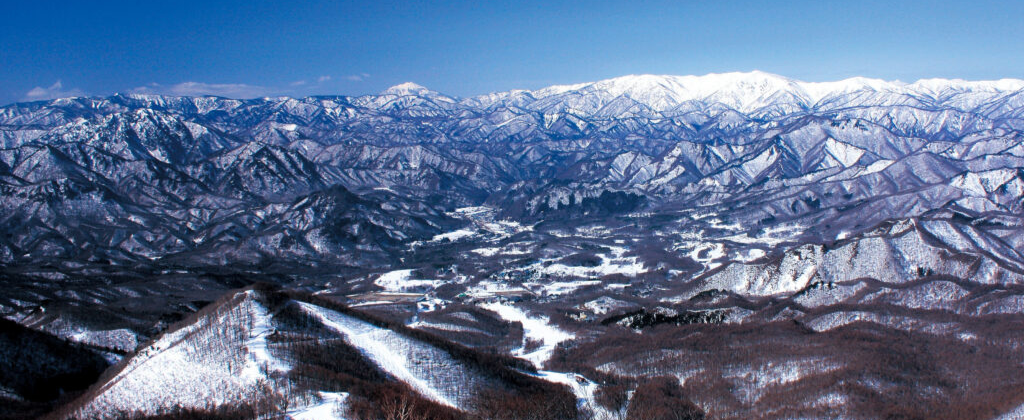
{"x": 257, "y": 48}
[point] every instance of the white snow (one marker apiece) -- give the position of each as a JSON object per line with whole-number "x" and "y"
{"x": 838, "y": 319}
{"x": 771, "y": 237}
{"x": 745, "y": 92}
{"x": 825, "y": 295}
{"x": 430, "y": 371}
{"x": 488, "y": 288}
{"x": 1015, "y": 414}
{"x": 563, "y": 287}
{"x": 221, "y": 358}
{"x": 486, "y": 252}
{"x": 877, "y": 166}
{"x": 407, "y": 88}
{"x": 797, "y": 269}
{"x": 454, "y": 236}
{"x": 121, "y": 339}
{"x": 717, "y": 223}
{"x": 607, "y": 267}
{"x": 614, "y": 262}
{"x": 327, "y": 408}
{"x": 535, "y": 328}
{"x": 711, "y": 252}
{"x": 846, "y": 154}
{"x": 754, "y": 167}
{"x": 605, "y": 304}
{"x": 444, "y": 327}
{"x": 933, "y": 295}
{"x": 970, "y": 183}
{"x": 751, "y": 255}
{"x": 259, "y": 359}
{"x": 482, "y": 224}
{"x": 582, "y": 387}
{"x": 401, "y": 280}
{"x": 754, "y": 381}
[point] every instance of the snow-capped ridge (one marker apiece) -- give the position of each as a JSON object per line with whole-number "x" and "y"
{"x": 749, "y": 91}
{"x": 220, "y": 356}
{"x": 938, "y": 85}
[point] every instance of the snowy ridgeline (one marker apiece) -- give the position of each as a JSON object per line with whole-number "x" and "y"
{"x": 430, "y": 371}
{"x": 221, "y": 359}
{"x": 893, "y": 255}
{"x": 224, "y": 359}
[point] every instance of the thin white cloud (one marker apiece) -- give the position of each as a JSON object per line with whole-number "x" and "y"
{"x": 357, "y": 77}
{"x": 322, "y": 79}
{"x": 55, "y": 90}
{"x": 298, "y": 83}
{"x": 228, "y": 90}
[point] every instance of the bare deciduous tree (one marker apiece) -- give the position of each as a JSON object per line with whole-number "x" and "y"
{"x": 398, "y": 408}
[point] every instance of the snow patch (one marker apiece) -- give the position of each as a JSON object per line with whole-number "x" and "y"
{"x": 877, "y": 166}
{"x": 401, "y": 280}
{"x": 327, "y": 408}
{"x": 454, "y": 236}
{"x": 844, "y": 153}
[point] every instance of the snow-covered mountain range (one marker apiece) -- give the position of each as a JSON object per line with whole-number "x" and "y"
{"x": 173, "y": 174}
{"x": 741, "y": 202}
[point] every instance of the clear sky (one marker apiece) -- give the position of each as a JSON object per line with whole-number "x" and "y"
{"x": 267, "y": 47}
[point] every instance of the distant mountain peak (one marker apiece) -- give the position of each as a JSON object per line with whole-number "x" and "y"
{"x": 407, "y": 88}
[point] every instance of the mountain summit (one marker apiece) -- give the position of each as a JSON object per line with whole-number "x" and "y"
{"x": 407, "y": 88}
